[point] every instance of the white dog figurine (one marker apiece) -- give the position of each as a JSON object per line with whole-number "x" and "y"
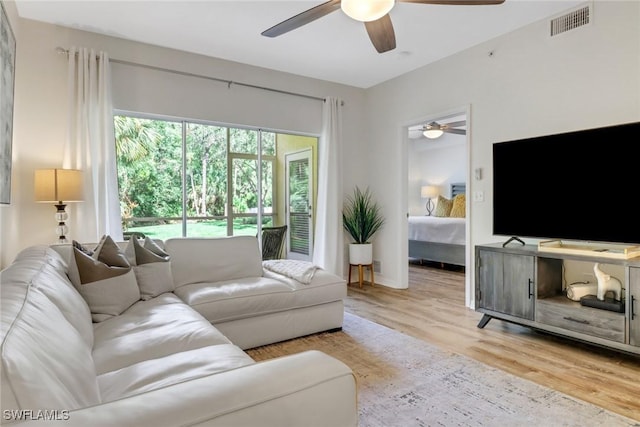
{"x": 607, "y": 283}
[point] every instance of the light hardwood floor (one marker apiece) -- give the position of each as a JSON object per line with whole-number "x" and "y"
{"x": 432, "y": 309}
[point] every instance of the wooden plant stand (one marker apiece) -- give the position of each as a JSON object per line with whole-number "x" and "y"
{"x": 361, "y": 273}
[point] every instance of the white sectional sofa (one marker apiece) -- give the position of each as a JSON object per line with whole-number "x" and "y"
{"x": 175, "y": 358}
{"x": 223, "y": 279}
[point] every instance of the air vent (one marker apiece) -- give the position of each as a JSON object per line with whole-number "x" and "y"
{"x": 376, "y": 266}
{"x": 571, "y": 20}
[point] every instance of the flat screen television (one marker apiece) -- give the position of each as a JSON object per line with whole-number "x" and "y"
{"x": 581, "y": 185}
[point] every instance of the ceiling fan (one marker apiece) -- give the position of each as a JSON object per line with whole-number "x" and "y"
{"x": 435, "y": 130}
{"x": 374, "y": 14}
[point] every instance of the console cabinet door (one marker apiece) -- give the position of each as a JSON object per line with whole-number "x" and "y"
{"x": 634, "y": 306}
{"x": 489, "y": 279}
{"x": 505, "y": 283}
{"x": 519, "y": 285}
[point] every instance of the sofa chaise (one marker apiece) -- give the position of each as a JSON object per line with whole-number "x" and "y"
{"x": 175, "y": 355}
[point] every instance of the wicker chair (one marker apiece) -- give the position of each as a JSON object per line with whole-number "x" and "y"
{"x": 273, "y": 242}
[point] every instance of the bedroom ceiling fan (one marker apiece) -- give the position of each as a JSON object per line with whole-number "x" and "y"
{"x": 435, "y": 130}
{"x": 374, "y": 14}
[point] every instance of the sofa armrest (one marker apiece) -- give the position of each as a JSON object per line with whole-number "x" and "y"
{"x": 304, "y": 389}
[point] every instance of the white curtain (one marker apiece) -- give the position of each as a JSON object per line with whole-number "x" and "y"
{"x": 91, "y": 146}
{"x": 328, "y": 250}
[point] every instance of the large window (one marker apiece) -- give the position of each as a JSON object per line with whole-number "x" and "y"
{"x": 182, "y": 178}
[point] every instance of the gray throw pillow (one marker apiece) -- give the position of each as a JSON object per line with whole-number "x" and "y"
{"x": 109, "y": 253}
{"x": 152, "y": 268}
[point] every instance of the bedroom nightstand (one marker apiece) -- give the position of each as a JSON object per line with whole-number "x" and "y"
{"x": 361, "y": 273}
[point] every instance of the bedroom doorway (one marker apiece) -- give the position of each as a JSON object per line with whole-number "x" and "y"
{"x": 437, "y": 165}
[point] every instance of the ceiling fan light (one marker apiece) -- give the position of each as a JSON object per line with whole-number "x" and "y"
{"x": 433, "y": 133}
{"x": 366, "y": 10}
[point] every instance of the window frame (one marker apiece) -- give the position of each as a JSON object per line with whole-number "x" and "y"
{"x": 259, "y": 157}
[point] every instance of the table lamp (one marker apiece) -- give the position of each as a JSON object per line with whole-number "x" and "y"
{"x": 429, "y": 192}
{"x": 58, "y": 186}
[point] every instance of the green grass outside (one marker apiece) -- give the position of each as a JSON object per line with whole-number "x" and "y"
{"x": 215, "y": 228}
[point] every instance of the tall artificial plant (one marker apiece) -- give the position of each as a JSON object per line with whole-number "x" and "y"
{"x": 361, "y": 216}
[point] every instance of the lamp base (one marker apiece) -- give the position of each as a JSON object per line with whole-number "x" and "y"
{"x": 430, "y": 207}
{"x": 61, "y": 218}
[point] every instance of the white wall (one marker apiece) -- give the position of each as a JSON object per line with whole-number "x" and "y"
{"x": 41, "y": 111}
{"x": 530, "y": 85}
{"x": 438, "y": 162}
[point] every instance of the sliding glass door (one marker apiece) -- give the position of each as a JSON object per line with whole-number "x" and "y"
{"x": 182, "y": 178}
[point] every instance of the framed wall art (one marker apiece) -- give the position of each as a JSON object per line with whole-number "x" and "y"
{"x": 7, "y": 78}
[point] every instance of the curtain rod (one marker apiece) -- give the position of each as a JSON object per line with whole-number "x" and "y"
{"x": 61, "y": 50}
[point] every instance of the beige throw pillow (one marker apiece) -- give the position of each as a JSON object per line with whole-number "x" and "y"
{"x": 459, "y": 205}
{"x": 152, "y": 268}
{"x": 110, "y": 287}
{"x": 109, "y": 297}
{"x": 443, "y": 207}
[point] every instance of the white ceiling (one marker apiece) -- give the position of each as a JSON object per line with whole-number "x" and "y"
{"x": 334, "y": 47}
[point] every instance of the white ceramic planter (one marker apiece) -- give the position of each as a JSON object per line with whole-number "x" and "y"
{"x": 361, "y": 253}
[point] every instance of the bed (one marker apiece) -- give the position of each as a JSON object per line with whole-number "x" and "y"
{"x": 439, "y": 239}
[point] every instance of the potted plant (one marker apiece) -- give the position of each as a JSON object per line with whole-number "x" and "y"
{"x": 361, "y": 218}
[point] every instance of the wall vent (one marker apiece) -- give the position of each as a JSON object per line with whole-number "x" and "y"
{"x": 376, "y": 266}
{"x": 571, "y": 20}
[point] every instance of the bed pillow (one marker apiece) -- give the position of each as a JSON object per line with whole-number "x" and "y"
{"x": 443, "y": 207}
{"x": 459, "y": 205}
{"x": 152, "y": 268}
{"x": 108, "y": 289}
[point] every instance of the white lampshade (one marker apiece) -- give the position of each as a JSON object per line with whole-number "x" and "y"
{"x": 433, "y": 133}
{"x": 429, "y": 191}
{"x": 58, "y": 185}
{"x": 366, "y": 10}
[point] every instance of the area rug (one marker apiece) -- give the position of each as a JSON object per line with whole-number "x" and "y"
{"x": 405, "y": 382}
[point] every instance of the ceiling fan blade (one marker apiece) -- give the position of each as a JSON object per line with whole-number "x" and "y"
{"x": 456, "y": 131}
{"x": 432, "y": 125}
{"x": 381, "y": 34}
{"x": 455, "y": 2}
{"x": 302, "y": 18}
{"x": 456, "y": 124}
